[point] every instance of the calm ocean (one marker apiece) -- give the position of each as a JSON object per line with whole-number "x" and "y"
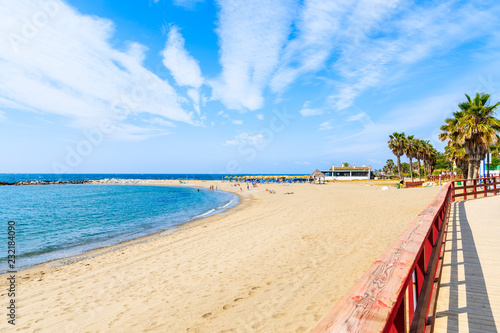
{"x": 56, "y": 221}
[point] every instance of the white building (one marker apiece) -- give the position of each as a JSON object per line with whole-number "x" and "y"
{"x": 348, "y": 173}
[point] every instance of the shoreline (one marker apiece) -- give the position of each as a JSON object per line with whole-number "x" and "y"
{"x": 100, "y": 250}
{"x": 275, "y": 262}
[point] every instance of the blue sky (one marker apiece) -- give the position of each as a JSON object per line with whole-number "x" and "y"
{"x": 146, "y": 86}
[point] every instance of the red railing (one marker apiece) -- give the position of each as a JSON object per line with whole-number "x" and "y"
{"x": 478, "y": 186}
{"x": 399, "y": 291}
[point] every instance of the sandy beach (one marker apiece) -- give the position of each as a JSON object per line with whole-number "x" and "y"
{"x": 274, "y": 263}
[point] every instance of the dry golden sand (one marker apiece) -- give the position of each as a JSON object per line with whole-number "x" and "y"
{"x": 275, "y": 263}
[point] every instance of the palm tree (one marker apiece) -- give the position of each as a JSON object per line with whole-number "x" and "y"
{"x": 479, "y": 128}
{"x": 430, "y": 160}
{"x": 424, "y": 154}
{"x": 390, "y": 165}
{"x": 397, "y": 144}
{"x": 420, "y": 149}
{"x": 410, "y": 149}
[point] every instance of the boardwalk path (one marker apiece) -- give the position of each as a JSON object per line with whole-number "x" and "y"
{"x": 469, "y": 297}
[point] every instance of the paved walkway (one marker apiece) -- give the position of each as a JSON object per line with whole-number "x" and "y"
{"x": 469, "y": 296}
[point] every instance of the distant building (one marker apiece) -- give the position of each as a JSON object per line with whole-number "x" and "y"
{"x": 348, "y": 173}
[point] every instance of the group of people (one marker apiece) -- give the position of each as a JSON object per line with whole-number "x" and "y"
{"x": 248, "y": 186}
{"x": 213, "y": 187}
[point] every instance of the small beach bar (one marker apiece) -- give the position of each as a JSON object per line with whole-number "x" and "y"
{"x": 348, "y": 172}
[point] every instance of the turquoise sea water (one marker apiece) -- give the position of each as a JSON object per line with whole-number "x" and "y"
{"x": 55, "y": 221}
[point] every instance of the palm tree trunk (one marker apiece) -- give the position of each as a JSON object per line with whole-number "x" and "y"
{"x": 411, "y": 171}
{"x": 477, "y": 165}
{"x": 425, "y": 171}
{"x": 470, "y": 169}
{"x": 419, "y": 175}
{"x": 399, "y": 167}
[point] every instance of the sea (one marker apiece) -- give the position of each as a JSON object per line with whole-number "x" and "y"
{"x": 59, "y": 221}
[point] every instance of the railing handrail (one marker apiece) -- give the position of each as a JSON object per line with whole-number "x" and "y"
{"x": 479, "y": 178}
{"x": 488, "y": 185}
{"x": 384, "y": 295}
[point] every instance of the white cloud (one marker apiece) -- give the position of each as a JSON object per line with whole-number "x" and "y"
{"x": 302, "y": 163}
{"x": 237, "y": 122}
{"x": 260, "y": 116}
{"x": 222, "y": 114}
{"x": 128, "y": 132}
{"x": 307, "y": 111}
{"x": 410, "y": 34}
{"x": 361, "y": 116}
{"x": 251, "y": 35}
{"x": 184, "y": 68}
{"x": 318, "y": 26}
{"x": 2, "y": 116}
{"x": 194, "y": 94}
{"x": 160, "y": 121}
{"x": 65, "y": 64}
{"x": 246, "y": 138}
{"x": 327, "y": 125}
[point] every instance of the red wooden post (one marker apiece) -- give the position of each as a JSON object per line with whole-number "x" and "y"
{"x": 428, "y": 249}
{"x": 420, "y": 272}
{"x": 475, "y": 188}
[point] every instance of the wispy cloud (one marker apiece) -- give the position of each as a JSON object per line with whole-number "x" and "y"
{"x": 251, "y": 36}
{"x": 237, "y": 122}
{"x": 184, "y": 68}
{"x": 327, "y": 125}
{"x": 160, "y": 121}
{"x": 368, "y": 136}
{"x": 317, "y": 26}
{"x": 402, "y": 37}
{"x": 69, "y": 67}
{"x": 307, "y": 111}
{"x": 254, "y": 139}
